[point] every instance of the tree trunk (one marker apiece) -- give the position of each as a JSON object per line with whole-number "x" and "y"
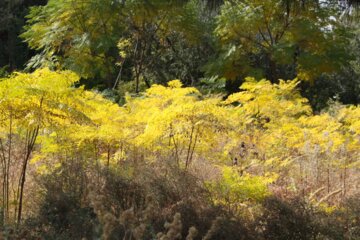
{"x": 30, "y": 146}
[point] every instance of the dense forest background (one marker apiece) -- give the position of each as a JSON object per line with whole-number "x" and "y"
{"x": 180, "y": 119}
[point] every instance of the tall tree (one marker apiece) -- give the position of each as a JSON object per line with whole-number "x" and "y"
{"x": 279, "y": 39}
{"x": 83, "y": 36}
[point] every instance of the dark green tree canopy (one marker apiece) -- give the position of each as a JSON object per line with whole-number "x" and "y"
{"x": 128, "y": 45}
{"x": 83, "y": 36}
{"x": 280, "y": 39}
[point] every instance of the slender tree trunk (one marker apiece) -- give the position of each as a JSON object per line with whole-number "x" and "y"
{"x": 137, "y": 65}
{"x": 176, "y": 151}
{"x": 344, "y": 178}
{"x": 273, "y": 70}
{"x": 193, "y": 147}
{"x": 4, "y": 200}
{"x": 108, "y": 155}
{"x": 189, "y": 147}
{"x": 317, "y": 171}
{"x": 302, "y": 178}
{"x": 30, "y": 147}
{"x": 8, "y": 166}
{"x": 328, "y": 178}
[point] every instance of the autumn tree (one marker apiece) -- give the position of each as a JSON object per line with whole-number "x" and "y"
{"x": 35, "y": 107}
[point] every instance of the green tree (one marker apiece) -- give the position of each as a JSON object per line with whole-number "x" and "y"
{"x": 83, "y": 37}
{"x": 279, "y": 39}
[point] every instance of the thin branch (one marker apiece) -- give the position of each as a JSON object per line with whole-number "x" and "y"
{"x": 328, "y": 196}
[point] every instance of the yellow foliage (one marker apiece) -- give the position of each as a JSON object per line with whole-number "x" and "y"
{"x": 268, "y": 128}
{"x": 236, "y": 191}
